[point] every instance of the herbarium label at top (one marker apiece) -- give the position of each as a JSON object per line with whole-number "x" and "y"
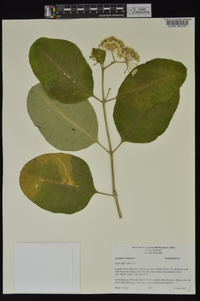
{"x": 58, "y": 106}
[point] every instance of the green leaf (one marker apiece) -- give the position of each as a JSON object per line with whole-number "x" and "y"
{"x": 144, "y": 126}
{"x": 155, "y": 81}
{"x": 62, "y": 70}
{"x": 98, "y": 55}
{"x": 60, "y": 183}
{"x": 66, "y": 127}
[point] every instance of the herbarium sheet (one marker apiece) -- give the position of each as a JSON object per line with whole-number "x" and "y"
{"x": 98, "y": 139}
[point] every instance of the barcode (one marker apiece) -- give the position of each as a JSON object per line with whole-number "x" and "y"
{"x": 177, "y": 22}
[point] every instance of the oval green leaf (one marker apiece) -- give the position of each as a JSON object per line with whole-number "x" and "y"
{"x": 62, "y": 70}
{"x": 60, "y": 183}
{"x": 66, "y": 127}
{"x": 144, "y": 126}
{"x": 155, "y": 81}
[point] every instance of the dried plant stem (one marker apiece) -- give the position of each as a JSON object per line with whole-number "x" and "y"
{"x": 110, "y": 147}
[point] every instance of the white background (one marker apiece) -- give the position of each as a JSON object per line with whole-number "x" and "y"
{"x": 155, "y": 181}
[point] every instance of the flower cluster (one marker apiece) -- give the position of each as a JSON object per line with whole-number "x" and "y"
{"x": 116, "y": 46}
{"x": 131, "y": 58}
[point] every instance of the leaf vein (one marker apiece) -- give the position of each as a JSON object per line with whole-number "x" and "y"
{"x": 64, "y": 184}
{"x": 144, "y": 86}
{"x": 67, "y": 75}
{"x": 66, "y": 118}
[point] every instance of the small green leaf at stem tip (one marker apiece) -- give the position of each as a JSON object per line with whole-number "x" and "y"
{"x": 65, "y": 126}
{"x": 57, "y": 182}
{"x": 62, "y": 70}
{"x": 98, "y": 55}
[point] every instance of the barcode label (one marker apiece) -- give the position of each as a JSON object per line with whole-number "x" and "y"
{"x": 177, "y": 22}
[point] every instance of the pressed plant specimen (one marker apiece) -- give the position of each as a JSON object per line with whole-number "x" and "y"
{"x": 144, "y": 106}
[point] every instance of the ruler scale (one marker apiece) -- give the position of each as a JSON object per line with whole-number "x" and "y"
{"x": 107, "y": 10}
{"x": 90, "y": 10}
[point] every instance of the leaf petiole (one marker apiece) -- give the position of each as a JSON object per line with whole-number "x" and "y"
{"x": 96, "y": 98}
{"x": 113, "y": 98}
{"x": 102, "y": 146}
{"x": 108, "y": 194}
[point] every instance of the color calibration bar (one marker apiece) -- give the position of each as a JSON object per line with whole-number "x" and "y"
{"x": 50, "y": 11}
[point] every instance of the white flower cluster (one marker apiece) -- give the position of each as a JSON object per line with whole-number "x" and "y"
{"x": 117, "y": 47}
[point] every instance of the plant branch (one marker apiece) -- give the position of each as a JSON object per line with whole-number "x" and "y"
{"x": 108, "y": 65}
{"x": 114, "y": 62}
{"x": 108, "y": 93}
{"x": 113, "y": 56}
{"x": 110, "y": 147}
